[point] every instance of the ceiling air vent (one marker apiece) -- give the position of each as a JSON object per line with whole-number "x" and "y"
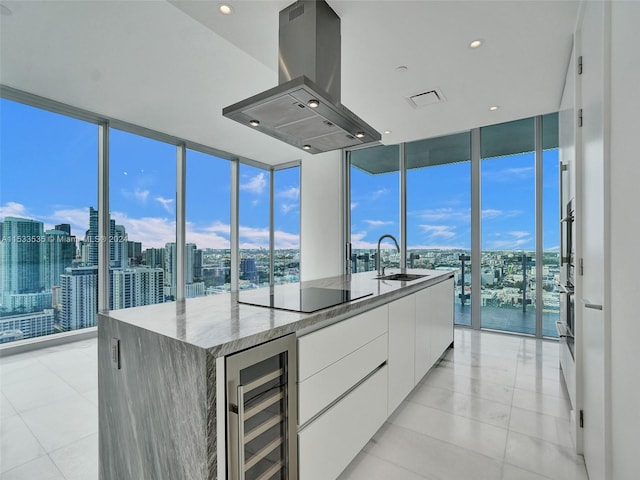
{"x": 423, "y": 99}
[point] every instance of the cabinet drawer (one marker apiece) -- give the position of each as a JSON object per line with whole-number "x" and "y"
{"x": 319, "y": 390}
{"x": 330, "y": 442}
{"x": 320, "y": 349}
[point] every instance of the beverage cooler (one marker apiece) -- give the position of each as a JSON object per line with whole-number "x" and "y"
{"x": 262, "y": 412}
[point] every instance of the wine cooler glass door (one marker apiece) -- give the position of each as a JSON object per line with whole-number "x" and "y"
{"x": 262, "y": 412}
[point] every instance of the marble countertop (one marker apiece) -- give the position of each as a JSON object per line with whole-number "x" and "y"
{"x": 219, "y": 324}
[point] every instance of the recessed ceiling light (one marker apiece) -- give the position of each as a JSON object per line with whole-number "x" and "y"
{"x": 225, "y": 9}
{"x": 4, "y": 10}
{"x": 387, "y": 132}
{"x": 360, "y": 134}
{"x": 254, "y": 123}
{"x": 494, "y": 108}
{"x": 476, "y": 43}
{"x": 313, "y": 103}
{"x": 306, "y": 147}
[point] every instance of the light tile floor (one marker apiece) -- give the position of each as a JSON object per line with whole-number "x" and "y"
{"x": 494, "y": 408}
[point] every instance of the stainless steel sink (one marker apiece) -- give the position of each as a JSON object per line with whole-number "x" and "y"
{"x": 402, "y": 277}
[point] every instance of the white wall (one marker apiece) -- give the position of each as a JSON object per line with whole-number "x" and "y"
{"x": 624, "y": 239}
{"x": 321, "y": 228}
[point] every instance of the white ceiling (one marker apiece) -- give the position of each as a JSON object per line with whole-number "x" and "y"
{"x": 172, "y": 66}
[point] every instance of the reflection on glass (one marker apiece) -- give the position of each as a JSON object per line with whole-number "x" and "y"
{"x": 286, "y": 262}
{"x": 208, "y": 218}
{"x": 375, "y": 205}
{"x": 48, "y": 280}
{"x": 142, "y": 183}
{"x": 439, "y": 212}
{"x": 550, "y": 241}
{"x": 254, "y": 227}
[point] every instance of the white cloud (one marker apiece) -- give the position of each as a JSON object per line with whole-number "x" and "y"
{"x": 377, "y": 223}
{"x": 491, "y": 213}
{"x": 255, "y": 184}
{"x": 291, "y": 193}
{"x": 353, "y": 205}
{"x": 519, "y": 234}
{"x": 288, "y": 207}
{"x": 440, "y": 214}
{"x": 512, "y": 244}
{"x": 151, "y": 231}
{"x": 215, "y": 235}
{"x": 381, "y": 192}
{"x": 358, "y": 241}
{"x": 510, "y": 174}
{"x": 78, "y": 218}
{"x": 167, "y": 203}
{"x": 442, "y": 231}
{"x": 254, "y": 238}
{"x": 14, "y": 209}
{"x": 140, "y": 195}
{"x": 284, "y": 240}
{"x": 437, "y": 246}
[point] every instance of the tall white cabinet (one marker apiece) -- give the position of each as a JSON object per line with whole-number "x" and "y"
{"x": 608, "y": 228}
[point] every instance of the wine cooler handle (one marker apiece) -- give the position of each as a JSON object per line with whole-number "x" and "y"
{"x": 241, "y": 432}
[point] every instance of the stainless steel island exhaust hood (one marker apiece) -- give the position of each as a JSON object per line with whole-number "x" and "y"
{"x": 304, "y": 110}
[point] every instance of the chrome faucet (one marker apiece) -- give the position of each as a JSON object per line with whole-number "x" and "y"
{"x": 378, "y": 259}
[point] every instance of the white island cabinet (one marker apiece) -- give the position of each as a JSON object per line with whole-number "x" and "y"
{"x": 353, "y": 374}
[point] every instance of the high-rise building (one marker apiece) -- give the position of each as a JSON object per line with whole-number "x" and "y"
{"x": 196, "y": 289}
{"x": 134, "y": 252}
{"x": 119, "y": 247}
{"x": 28, "y": 325}
{"x": 134, "y": 287}
{"x": 92, "y": 239}
{"x": 170, "y": 270}
{"x": 197, "y": 264}
{"x": 154, "y": 257}
{"x": 79, "y": 298}
{"x": 248, "y": 270}
{"x": 59, "y": 249}
{"x": 20, "y": 303}
{"x": 21, "y": 256}
{"x": 64, "y": 227}
{"x": 190, "y": 262}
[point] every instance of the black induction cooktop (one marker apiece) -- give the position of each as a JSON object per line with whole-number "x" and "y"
{"x": 306, "y": 300}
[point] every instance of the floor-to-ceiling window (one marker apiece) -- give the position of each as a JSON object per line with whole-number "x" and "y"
{"x": 59, "y": 169}
{"x": 254, "y": 226}
{"x": 514, "y": 210}
{"x": 508, "y": 224}
{"x": 439, "y": 212}
{"x": 286, "y": 225}
{"x": 48, "y": 249}
{"x": 142, "y": 205}
{"x": 375, "y": 206}
{"x": 208, "y": 219}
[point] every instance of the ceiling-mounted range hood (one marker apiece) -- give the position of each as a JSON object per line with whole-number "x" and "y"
{"x": 304, "y": 110}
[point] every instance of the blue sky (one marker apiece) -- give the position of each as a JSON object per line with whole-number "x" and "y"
{"x": 439, "y": 205}
{"x": 48, "y": 171}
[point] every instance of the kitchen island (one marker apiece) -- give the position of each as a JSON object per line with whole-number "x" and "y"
{"x": 162, "y": 401}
